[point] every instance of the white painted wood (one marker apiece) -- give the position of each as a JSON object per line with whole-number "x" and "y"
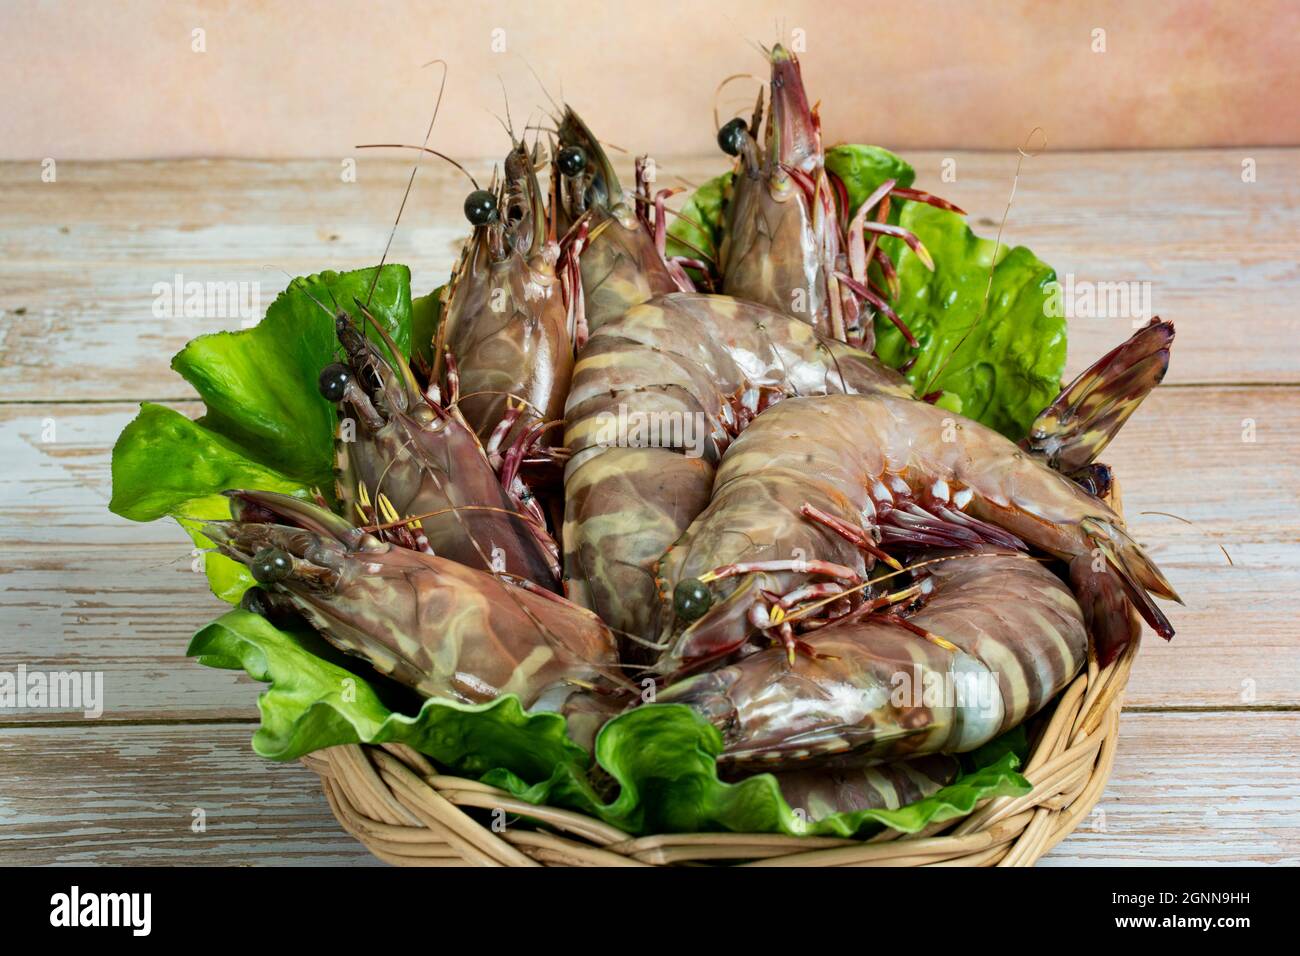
{"x": 81, "y": 256}
{"x": 1186, "y": 789}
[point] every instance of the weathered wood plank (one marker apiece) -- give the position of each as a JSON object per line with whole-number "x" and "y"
{"x": 79, "y": 258}
{"x": 1190, "y": 789}
{"x": 80, "y": 588}
{"x": 1195, "y": 789}
{"x": 128, "y": 795}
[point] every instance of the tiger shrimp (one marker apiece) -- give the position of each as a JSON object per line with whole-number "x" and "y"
{"x": 808, "y": 494}
{"x": 1005, "y": 636}
{"x": 412, "y": 468}
{"x": 819, "y": 792}
{"x": 621, "y": 251}
{"x": 435, "y": 625}
{"x": 788, "y": 241}
{"x": 507, "y": 330}
{"x": 657, "y": 395}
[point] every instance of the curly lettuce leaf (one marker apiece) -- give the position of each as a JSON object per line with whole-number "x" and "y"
{"x": 999, "y": 364}
{"x": 1002, "y": 359}
{"x": 266, "y": 426}
{"x": 660, "y": 757}
{"x": 863, "y": 168}
{"x": 315, "y": 701}
{"x": 259, "y": 384}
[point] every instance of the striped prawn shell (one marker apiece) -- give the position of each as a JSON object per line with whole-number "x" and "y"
{"x": 507, "y": 327}
{"x": 621, "y": 267}
{"x": 435, "y": 625}
{"x": 704, "y": 361}
{"x": 781, "y": 241}
{"x": 823, "y": 791}
{"x": 848, "y": 455}
{"x": 506, "y": 322}
{"x": 432, "y": 467}
{"x": 879, "y": 692}
{"x": 776, "y": 251}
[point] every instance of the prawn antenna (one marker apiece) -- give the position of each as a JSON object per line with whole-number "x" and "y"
{"x": 717, "y": 91}
{"x": 442, "y": 86}
{"x": 330, "y": 312}
{"x": 1024, "y": 151}
{"x": 541, "y": 85}
{"x": 423, "y": 149}
{"x": 505, "y": 96}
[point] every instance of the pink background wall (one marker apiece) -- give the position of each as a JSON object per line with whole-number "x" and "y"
{"x": 279, "y": 78}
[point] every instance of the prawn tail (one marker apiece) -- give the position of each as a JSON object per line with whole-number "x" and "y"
{"x": 1114, "y": 572}
{"x": 1072, "y": 431}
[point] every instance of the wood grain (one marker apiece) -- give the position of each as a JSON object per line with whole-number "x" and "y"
{"x": 1218, "y": 446}
{"x": 1185, "y": 789}
{"x": 128, "y": 795}
{"x": 80, "y": 257}
{"x": 1195, "y": 789}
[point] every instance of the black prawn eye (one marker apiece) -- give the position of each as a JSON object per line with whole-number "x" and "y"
{"x": 480, "y": 207}
{"x": 254, "y": 600}
{"x": 571, "y": 160}
{"x": 691, "y": 598}
{"x": 270, "y": 565}
{"x": 732, "y": 136}
{"x": 333, "y": 381}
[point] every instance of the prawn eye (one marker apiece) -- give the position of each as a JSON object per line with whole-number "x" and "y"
{"x": 691, "y": 598}
{"x": 333, "y": 381}
{"x": 480, "y": 207}
{"x": 254, "y": 600}
{"x": 270, "y": 565}
{"x": 732, "y": 136}
{"x": 571, "y": 160}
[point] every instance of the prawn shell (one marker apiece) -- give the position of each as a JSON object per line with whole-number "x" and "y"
{"x": 1014, "y": 637}
{"x": 701, "y": 362}
{"x": 823, "y": 791}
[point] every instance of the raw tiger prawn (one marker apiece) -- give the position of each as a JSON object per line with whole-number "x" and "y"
{"x": 414, "y": 469}
{"x": 437, "y": 625}
{"x": 512, "y": 310}
{"x": 789, "y": 241}
{"x": 1012, "y": 638}
{"x": 821, "y": 478}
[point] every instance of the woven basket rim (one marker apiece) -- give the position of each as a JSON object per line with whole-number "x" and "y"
{"x": 395, "y": 802}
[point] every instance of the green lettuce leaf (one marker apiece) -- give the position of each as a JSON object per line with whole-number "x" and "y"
{"x": 266, "y": 425}
{"x": 315, "y": 700}
{"x": 426, "y": 316}
{"x": 863, "y": 168}
{"x": 659, "y": 760}
{"x": 1002, "y": 360}
{"x": 999, "y": 364}
{"x": 699, "y": 227}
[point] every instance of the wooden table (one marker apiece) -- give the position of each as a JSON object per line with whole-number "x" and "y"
{"x": 1207, "y": 769}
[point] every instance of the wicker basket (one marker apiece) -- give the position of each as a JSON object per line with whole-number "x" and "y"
{"x": 405, "y": 812}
